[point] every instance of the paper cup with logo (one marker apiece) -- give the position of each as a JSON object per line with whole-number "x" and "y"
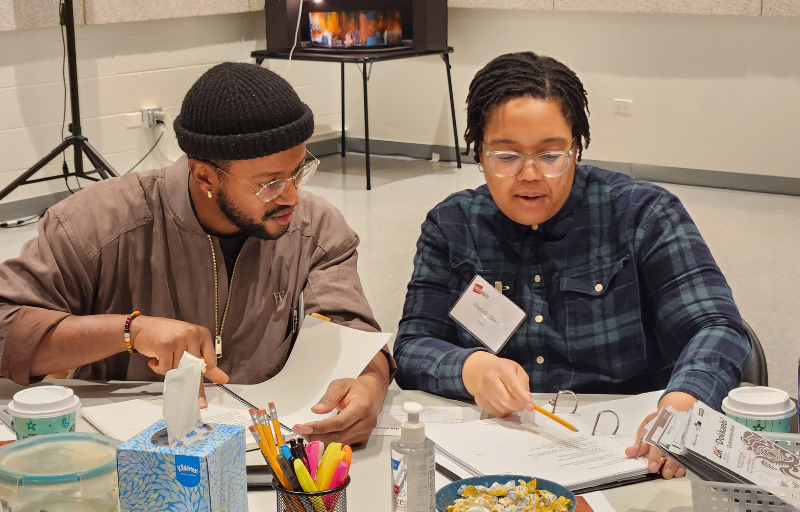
{"x": 44, "y": 410}
{"x": 760, "y": 408}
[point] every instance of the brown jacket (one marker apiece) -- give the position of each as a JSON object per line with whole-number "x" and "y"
{"x": 134, "y": 243}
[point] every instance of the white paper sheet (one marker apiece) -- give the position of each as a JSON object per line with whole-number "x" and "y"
{"x": 391, "y": 417}
{"x": 322, "y": 353}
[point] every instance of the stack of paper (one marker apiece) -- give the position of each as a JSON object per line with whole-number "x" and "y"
{"x": 719, "y": 449}
{"x": 123, "y": 420}
{"x": 536, "y": 446}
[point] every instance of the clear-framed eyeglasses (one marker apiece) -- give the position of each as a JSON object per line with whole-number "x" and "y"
{"x": 505, "y": 164}
{"x": 269, "y": 191}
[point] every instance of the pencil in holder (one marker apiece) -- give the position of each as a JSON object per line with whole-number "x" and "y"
{"x": 332, "y": 500}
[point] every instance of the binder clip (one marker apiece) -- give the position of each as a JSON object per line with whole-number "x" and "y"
{"x": 597, "y": 420}
{"x": 554, "y": 401}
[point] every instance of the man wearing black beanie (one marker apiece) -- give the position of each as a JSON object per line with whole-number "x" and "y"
{"x": 220, "y": 254}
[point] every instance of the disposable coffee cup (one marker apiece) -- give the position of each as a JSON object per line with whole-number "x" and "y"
{"x": 760, "y": 408}
{"x": 44, "y": 410}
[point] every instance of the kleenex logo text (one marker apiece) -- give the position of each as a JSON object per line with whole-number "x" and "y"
{"x": 187, "y": 470}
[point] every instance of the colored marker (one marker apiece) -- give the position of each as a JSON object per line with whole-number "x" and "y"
{"x": 314, "y": 450}
{"x": 339, "y": 476}
{"x": 348, "y": 458}
{"x": 330, "y": 460}
{"x": 307, "y": 484}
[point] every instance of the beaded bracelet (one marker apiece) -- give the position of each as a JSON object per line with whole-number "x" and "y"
{"x": 128, "y": 331}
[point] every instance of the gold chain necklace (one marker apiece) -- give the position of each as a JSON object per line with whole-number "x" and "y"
{"x": 217, "y": 328}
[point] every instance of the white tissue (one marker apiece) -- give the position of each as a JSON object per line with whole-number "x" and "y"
{"x": 181, "y": 386}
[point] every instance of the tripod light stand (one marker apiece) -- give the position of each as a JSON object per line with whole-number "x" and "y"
{"x": 79, "y": 143}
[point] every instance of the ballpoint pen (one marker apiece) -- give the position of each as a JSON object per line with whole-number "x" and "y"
{"x": 302, "y": 449}
{"x": 294, "y": 485}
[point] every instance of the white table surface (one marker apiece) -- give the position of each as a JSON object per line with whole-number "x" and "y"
{"x": 371, "y": 475}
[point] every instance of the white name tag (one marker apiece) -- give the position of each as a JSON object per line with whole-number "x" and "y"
{"x": 487, "y": 314}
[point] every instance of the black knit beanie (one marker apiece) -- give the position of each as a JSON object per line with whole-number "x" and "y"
{"x": 239, "y": 111}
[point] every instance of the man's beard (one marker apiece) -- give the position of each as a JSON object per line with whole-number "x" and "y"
{"x": 245, "y": 223}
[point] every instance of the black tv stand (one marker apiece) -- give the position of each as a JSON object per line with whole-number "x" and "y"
{"x": 365, "y": 57}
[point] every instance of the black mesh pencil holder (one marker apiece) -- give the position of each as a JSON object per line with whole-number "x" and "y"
{"x": 333, "y": 500}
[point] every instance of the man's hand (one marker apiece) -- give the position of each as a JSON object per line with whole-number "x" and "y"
{"x": 359, "y": 401}
{"x": 680, "y": 402}
{"x": 500, "y": 386}
{"x": 165, "y": 340}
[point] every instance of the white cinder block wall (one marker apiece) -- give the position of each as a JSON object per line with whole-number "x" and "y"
{"x": 710, "y": 92}
{"x": 124, "y": 67}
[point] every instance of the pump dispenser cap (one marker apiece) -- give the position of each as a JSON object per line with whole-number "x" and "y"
{"x": 412, "y": 431}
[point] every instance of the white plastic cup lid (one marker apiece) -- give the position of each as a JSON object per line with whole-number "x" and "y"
{"x": 44, "y": 402}
{"x": 760, "y": 402}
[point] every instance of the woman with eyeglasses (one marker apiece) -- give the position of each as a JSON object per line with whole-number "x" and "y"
{"x": 556, "y": 275}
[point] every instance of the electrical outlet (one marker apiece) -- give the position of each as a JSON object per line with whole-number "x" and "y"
{"x": 152, "y": 114}
{"x": 623, "y": 107}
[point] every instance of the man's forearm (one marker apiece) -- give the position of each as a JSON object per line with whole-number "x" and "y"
{"x": 78, "y": 340}
{"x": 378, "y": 369}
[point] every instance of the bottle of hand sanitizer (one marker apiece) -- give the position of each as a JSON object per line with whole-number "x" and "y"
{"x": 413, "y": 465}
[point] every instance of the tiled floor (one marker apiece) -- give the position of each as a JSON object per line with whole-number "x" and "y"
{"x": 754, "y": 237}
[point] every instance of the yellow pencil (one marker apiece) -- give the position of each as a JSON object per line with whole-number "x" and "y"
{"x": 556, "y": 418}
{"x": 276, "y": 425}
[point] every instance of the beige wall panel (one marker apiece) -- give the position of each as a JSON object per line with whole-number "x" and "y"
{"x": 733, "y": 7}
{"x": 256, "y": 5}
{"x": 30, "y": 14}
{"x": 781, "y": 8}
{"x": 112, "y": 11}
{"x": 532, "y": 5}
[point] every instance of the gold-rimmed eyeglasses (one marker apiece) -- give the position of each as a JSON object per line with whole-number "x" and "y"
{"x": 274, "y": 188}
{"x": 505, "y": 164}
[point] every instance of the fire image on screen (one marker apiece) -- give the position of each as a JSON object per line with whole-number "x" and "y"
{"x": 355, "y": 29}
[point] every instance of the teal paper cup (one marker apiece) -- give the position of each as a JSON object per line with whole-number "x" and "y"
{"x": 44, "y": 410}
{"x": 760, "y": 408}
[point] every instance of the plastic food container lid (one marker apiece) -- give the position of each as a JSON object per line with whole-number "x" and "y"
{"x": 44, "y": 402}
{"x": 58, "y": 458}
{"x": 760, "y": 402}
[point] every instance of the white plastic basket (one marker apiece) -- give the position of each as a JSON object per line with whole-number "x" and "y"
{"x": 727, "y": 497}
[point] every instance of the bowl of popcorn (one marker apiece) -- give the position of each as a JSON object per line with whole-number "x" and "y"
{"x": 504, "y": 493}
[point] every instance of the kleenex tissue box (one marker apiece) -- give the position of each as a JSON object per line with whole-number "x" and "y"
{"x": 205, "y": 471}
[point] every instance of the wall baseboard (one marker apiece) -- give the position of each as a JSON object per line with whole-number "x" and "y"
{"x": 388, "y": 148}
{"x": 31, "y": 206}
{"x": 675, "y": 175}
{"x": 705, "y": 178}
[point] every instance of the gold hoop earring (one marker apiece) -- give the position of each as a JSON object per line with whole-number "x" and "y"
{"x": 209, "y": 194}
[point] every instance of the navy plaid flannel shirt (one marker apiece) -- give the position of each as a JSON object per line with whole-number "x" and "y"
{"x": 628, "y": 295}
